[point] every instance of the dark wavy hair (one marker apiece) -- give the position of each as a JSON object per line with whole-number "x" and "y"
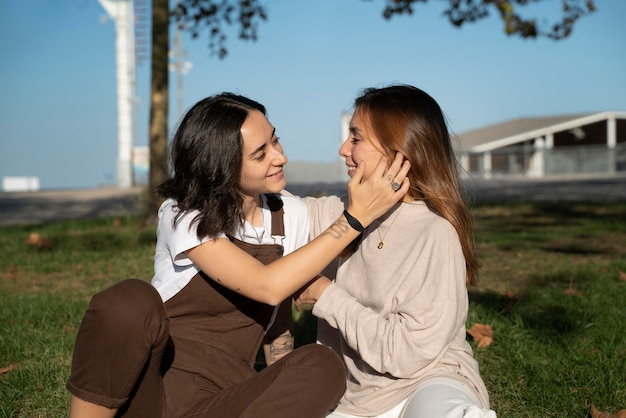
{"x": 407, "y": 119}
{"x": 206, "y": 154}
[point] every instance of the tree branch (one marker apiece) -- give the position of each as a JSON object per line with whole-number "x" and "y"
{"x": 213, "y": 15}
{"x": 460, "y": 12}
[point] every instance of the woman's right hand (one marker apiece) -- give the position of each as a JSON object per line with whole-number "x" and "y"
{"x": 373, "y": 197}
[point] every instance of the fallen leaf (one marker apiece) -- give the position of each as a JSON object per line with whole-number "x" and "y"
{"x": 570, "y": 291}
{"x": 622, "y": 275}
{"x": 8, "y": 368}
{"x": 482, "y": 334}
{"x": 598, "y": 414}
{"x": 12, "y": 272}
{"x": 595, "y": 413}
{"x": 33, "y": 238}
{"x": 509, "y": 301}
{"x": 117, "y": 223}
{"x": 36, "y": 240}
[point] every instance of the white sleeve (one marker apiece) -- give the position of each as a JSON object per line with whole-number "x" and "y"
{"x": 182, "y": 237}
{"x": 173, "y": 269}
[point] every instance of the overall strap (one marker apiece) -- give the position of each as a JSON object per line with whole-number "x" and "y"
{"x": 275, "y": 203}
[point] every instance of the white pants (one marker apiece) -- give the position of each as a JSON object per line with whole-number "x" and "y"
{"x": 439, "y": 397}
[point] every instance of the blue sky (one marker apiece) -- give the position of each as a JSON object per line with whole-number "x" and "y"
{"x": 58, "y": 117}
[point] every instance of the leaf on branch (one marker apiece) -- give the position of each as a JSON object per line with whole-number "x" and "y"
{"x": 482, "y": 334}
{"x": 463, "y": 12}
{"x": 7, "y": 369}
{"x": 216, "y": 16}
{"x": 598, "y": 414}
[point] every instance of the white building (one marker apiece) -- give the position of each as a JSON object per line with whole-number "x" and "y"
{"x": 592, "y": 143}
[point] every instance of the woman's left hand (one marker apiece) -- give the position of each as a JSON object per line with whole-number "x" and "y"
{"x": 311, "y": 292}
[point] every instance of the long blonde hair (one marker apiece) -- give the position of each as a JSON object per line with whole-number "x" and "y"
{"x": 407, "y": 119}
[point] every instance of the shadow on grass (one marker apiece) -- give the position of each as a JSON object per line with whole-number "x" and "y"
{"x": 575, "y": 229}
{"x": 550, "y": 306}
{"x": 576, "y": 250}
{"x": 101, "y": 235}
{"x": 519, "y": 214}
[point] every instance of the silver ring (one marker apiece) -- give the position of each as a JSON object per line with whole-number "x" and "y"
{"x": 395, "y": 186}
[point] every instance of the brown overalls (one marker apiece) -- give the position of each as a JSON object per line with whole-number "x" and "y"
{"x": 195, "y": 354}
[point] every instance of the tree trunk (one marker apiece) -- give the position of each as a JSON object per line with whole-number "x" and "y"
{"x": 159, "y": 102}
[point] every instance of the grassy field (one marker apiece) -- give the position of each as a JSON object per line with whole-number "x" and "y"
{"x": 553, "y": 288}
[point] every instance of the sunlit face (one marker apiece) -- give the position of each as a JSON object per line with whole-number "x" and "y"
{"x": 263, "y": 158}
{"x": 361, "y": 145}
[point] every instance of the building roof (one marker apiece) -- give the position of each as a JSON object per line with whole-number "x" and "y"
{"x": 522, "y": 129}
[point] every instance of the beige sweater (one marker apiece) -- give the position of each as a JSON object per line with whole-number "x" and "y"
{"x": 396, "y": 315}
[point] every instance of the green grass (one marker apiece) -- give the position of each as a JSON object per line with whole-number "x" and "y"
{"x": 550, "y": 288}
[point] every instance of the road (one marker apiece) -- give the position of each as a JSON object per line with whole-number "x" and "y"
{"x": 22, "y": 208}
{"x": 19, "y": 208}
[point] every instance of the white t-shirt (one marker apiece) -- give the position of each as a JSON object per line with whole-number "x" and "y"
{"x": 172, "y": 267}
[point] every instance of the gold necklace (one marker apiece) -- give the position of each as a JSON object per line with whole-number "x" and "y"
{"x": 381, "y": 243}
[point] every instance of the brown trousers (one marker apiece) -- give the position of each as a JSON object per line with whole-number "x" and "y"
{"x": 118, "y": 362}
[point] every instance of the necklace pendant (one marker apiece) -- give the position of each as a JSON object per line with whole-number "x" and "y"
{"x": 380, "y": 245}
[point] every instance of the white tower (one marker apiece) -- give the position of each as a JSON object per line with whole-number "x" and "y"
{"x": 121, "y": 12}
